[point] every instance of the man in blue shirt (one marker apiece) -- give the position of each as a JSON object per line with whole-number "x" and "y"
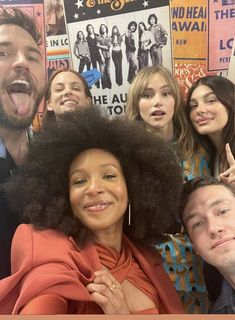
{"x": 208, "y": 215}
{"x": 22, "y": 83}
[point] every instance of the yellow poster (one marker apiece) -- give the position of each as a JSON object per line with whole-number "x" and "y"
{"x": 189, "y": 25}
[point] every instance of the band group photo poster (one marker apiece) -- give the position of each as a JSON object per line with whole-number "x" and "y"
{"x": 115, "y": 40}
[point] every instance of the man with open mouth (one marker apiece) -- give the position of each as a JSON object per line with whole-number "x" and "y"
{"x": 22, "y": 83}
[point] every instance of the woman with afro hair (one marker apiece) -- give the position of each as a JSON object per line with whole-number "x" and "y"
{"x": 95, "y": 194}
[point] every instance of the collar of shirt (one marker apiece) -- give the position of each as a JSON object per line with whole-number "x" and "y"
{"x": 226, "y": 299}
{"x": 3, "y": 152}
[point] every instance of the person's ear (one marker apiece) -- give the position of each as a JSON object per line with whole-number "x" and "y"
{"x": 49, "y": 106}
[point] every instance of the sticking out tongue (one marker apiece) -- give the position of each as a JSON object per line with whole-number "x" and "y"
{"x": 21, "y": 102}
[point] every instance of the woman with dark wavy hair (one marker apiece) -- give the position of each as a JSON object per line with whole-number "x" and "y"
{"x": 210, "y": 110}
{"x": 95, "y": 194}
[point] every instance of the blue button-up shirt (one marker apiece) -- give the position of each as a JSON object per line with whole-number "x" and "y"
{"x": 225, "y": 304}
{"x": 3, "y": 152}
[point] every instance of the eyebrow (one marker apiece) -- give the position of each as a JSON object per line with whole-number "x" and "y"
{"x": 62, "y": 83}
{"x": 6, "y": 43}
{"x": 190, "y": 217}
{"x": 204, "y": 96}
{"x": 166, "y": 86}
{"x": 29, "y": 48}
{"x": 32, "y": 49}
{"x": 213, "y": 204}
{"x": 104, "y": 165}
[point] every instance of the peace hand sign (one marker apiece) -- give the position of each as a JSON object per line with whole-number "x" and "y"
{"x": 228, "y": 176}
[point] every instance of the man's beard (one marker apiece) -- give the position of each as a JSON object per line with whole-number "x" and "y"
{"x": 11, "y": 122}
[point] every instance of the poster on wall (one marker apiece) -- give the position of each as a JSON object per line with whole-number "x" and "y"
{"x": 189, "y": 23}
{"x": 231, "y": 69}
{"x": 221, "y": 32}
{"x": 189, "y": 19}
{"x": 58, "y": 55}
{"x": 187, "y": 73}
{"x": 117, "y": 38}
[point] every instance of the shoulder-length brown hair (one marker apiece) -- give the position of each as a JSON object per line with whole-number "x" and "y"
{"x": 184, "y": 142}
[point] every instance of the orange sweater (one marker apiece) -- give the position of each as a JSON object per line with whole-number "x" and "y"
{"x": 49, "y": 264}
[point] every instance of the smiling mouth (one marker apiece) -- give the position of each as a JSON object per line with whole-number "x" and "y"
{"x": 203, "y": 121}
{"x": 69, "y": 102}
{"x": 97, "y": 206}
{"x": 222, "y": 243}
